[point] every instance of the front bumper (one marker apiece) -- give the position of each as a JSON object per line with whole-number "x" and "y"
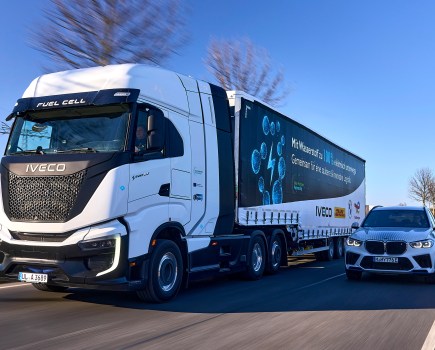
{"x": 413, "y": 261}
{"x": 72, "y": 266}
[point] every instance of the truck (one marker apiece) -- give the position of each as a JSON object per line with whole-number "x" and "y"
{"x": 223, "y": 183}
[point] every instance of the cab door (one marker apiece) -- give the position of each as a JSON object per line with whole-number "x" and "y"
{"x": 178, "y": 151}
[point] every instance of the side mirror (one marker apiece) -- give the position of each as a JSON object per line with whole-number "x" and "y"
{"x": 355, "y": 226}
{"x": 156, "y": 132}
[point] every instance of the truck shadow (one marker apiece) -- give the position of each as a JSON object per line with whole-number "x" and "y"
{"x": 323, "y": 288}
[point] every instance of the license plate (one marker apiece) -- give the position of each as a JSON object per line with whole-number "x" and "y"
{"x": 382, "y": 259}
{"x": 33, "y": 277}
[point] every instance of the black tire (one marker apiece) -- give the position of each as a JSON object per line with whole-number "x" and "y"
{"x": 256, "y": 258}
{"x": 329, "y": 253}
{"x": 353, "y": 275}
{"x": 338, "y": 248}
{"x": 49, "y": 288}
{"x": 275, "y": 255}
{"x": 165, "y": 273}
{"x": 326, "y": 255}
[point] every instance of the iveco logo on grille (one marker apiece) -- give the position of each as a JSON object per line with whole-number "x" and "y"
{"x": 45, "y": 167}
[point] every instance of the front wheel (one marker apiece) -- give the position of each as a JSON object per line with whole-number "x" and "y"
{"x": 256, "y": 258}
{"x": 165, "y": 273}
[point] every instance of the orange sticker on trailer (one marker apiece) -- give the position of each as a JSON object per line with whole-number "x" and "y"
{"x": 339, "y": 213}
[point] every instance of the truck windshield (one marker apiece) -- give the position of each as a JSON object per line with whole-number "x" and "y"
{"x": 86, "y": 129}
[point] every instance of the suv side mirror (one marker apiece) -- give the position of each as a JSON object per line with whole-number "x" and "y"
{"x": 355, "y": 226}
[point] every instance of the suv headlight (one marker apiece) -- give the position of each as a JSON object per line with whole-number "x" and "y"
{"x": 352, "y": 242}
{"x": 427, "y": 243}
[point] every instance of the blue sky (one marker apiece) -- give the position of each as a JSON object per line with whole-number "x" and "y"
{"x": 362, "y": 73}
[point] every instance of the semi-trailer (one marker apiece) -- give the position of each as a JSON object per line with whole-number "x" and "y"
{"x": 221, "y": 183}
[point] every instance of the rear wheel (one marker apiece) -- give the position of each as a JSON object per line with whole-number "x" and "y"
{"x": 338, "y": 248}
{"x": 49, "y": 288}
{"x": 165, "y": 273}
{"x": 326, "y": 255}
{"x": 256, "y": 258}
{"x": 353, "y": 275}
{"x": 275, "y": 254}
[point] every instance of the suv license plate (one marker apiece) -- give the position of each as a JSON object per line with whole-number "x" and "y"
{"x": 382, "y": 259}
{"x": 33, "y": 277}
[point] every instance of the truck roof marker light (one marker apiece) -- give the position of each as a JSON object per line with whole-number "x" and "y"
{"x": 122, "y": 93}
{"x": 154, "y": 243}
{"x": 132, "y": 264}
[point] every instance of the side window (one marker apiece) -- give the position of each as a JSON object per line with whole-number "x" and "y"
{"x": 156, "y": 136}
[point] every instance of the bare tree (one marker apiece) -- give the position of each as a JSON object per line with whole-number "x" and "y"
{"x": 4, "y": 128}
{"x": 240, "y": 65}
{"x": 83, "y": 33}
{"x": 421, "y": 185}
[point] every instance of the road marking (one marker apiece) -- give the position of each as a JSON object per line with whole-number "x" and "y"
{"x": 14, "y": 285}
{"x": 311, "y": 267}
{"x": 429, "y": 343}
{"x": 320, "y": 282}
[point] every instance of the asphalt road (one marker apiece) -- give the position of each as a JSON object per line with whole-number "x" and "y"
{"x": 310, "y": 305}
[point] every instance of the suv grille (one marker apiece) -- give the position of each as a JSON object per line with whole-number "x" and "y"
{"x": 43, "y": 198}
{"x": 393, "y": 248}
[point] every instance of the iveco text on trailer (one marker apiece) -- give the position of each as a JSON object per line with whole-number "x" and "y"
{"x": 220, "y": 183}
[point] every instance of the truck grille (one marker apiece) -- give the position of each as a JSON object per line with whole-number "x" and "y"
{"x": 379, "y": 247}
{"x": 43, "y": 198}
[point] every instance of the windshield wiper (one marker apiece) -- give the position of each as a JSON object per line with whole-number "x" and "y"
{"x": 79, "y": 150}
{"x": 32, "y": 151}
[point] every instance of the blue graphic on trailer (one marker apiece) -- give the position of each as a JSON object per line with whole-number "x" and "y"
{"x": 272, "y": 189}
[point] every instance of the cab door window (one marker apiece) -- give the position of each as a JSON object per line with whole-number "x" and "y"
{"x": 156, "y": 136}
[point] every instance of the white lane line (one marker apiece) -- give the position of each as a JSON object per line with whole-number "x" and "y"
{"x": 429, "y": 343}
{"x": 316, "y": 283}
{"x": 15, "y": 285}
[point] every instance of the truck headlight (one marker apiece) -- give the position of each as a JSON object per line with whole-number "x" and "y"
{"x": 427, "y": 243}
{"x": 97, "y": 244}
{"x": 106, "y": 256}
{"x": 352, "y": 242}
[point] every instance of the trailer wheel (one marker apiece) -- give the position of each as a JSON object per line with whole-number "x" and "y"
{"x": 338, "y": 248}
{"x": 326, "y": 255}
{"x": 49, "y": 288}
{"x": 256, "y": 258}
{"x": 165, "y": 273}
{"x": 275, "y": 255}
{"x": 329, "y": 254}
{"x": 353, "y": 275}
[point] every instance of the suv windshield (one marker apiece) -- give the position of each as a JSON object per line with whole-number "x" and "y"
{"x": 86, "y": 129}
{"x": 396, "y": 218}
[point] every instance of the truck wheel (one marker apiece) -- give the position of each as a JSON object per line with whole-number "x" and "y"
{"x": 329, "y": 254}
{"x": 256, "y": 258}
{"x": 326, "y": 255}
{"x": 353, "y": 275}
{"x": 49, "y": 288}
{"x": 338, "y": 248}
{"x": 165, "y": 273}
{"x": 275, "y": 255}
